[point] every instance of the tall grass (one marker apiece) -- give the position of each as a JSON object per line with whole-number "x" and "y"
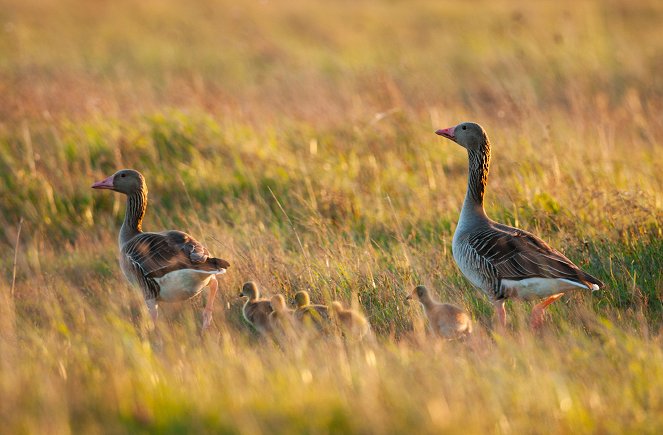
{"x": 295, "y": 140}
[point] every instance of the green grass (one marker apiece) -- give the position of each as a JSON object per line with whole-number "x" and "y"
{"x": 296, "y": 140}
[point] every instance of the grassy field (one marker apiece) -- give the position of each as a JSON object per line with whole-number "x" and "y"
{"x": 296, "y": 140}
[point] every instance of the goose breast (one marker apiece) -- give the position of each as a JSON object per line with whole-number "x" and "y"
{"x": 476, "y": 268}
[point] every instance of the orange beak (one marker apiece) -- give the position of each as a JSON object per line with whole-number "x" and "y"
{"x": 447, "y": 132}
{"x": 106, "y": 183}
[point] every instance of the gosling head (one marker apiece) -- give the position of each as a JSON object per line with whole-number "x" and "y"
{"x": 302, "y": 298}
{"x": 250, "y": 290}
{"x": 420, "y": 292}
{"x": 469, "y": 135}
{"x": 127, "y": 181}
{"x": 337, "y": 307}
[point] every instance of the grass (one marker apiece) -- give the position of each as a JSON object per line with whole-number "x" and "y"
{"x": 295, "y": 140}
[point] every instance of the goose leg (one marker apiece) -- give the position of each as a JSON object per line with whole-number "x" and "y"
{"x": 539, "y": 309}
{"x": 207, "y": 312}
{"x": 501, "y": 312}
{"x": 153, "y": 308}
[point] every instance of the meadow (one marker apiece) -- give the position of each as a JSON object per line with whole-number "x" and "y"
{"x": 295, "y": 139}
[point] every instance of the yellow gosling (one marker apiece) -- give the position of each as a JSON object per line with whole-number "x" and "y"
{"x": 445, "y": 320}
{"x": 281, "y": 318}
{"x": 352, "y": 324}
{"x": 311, "y": 314}
{"x": 256, "y": 311}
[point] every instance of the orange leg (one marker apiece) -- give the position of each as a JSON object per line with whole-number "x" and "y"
{"x": 207, "y": 312}
{"x": 539, "y": 310}
{"x": 501, "y": 313}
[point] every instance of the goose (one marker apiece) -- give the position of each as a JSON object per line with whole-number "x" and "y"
{"x": 445, "y": 320}
{"x": 281, "y": 318}
{"x": 279, "y": 308}
{"x": 351, "y": 323}
{"x": 502, "y": 261}
{"x": 256, "y": 310}
{"x": 168, "y": 266}
{"x": 310, "y": 314}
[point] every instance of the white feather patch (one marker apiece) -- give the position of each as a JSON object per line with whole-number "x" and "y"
{"x": 536, "y": 288}
{"x": 184, "y": 284}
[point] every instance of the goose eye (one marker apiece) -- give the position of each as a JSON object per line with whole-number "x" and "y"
{"x": 123, "y": 175}
{"x": 464, "y": 127}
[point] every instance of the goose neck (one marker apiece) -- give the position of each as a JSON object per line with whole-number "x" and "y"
{"x": 478, "y": 167}
{"x": 133, "y": 216}
{"x": 426, "y": 301}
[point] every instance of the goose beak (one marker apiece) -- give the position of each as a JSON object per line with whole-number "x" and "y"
{"x": 447, "y": 132}
{"x": 106, "y": 183}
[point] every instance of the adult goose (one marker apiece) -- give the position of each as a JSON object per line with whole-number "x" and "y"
{"x": 504, "y": 261}
{"x": 167, "y": 266}
{"x": 445, "y": 320}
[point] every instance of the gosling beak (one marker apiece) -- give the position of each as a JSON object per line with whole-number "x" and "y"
{"x": 447, "y": 132}
{"x": 106, "y": 183}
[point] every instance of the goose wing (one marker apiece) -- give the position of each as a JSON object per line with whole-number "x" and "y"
{"x": 516, "y": 254}
{"x": 157, "y": 254}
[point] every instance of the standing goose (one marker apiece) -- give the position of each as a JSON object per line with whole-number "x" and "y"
{"x": 168, "y": 266}
{"x": 256, "y": 311}
{"x": 445, "y": 320}
{"x": 504, "y": 261}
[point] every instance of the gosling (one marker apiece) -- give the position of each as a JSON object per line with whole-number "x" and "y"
{"x": 281, "y": 318}
{"x": 352, "y": 324}
{"x": 310, "y": 314}
{"x": 256, "y": 311}
{"x": 445, "y": 320}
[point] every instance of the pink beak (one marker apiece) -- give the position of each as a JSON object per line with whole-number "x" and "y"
{"x": 106, "y": 183}
{"x": 447, "y": 132}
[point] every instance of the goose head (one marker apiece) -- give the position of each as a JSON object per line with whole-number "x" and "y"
{"x": 250, "y": 290}
{"x": 278, "y": 303}
{"x": 125, "y": 181}
{"x": 469, "y": 135}
{"x": 302, "y": 298}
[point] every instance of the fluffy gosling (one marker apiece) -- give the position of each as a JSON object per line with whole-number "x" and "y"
{"x": 352, "y": 324}
{"x": 281, "y": 317}
{"x": 310, "y": 314}
{"x": 445, "y": 320}
{"x": 256, "y": 311}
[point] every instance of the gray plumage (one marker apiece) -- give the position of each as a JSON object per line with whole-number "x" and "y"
{"x": 147, "y": 258}
{"x": 500, "y": 260}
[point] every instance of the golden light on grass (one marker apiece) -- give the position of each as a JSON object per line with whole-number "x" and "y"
{"x": 296, "y": 140}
